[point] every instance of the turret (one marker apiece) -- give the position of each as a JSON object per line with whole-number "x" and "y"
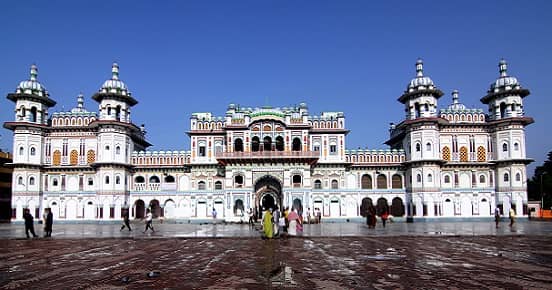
{"x": 115, "y": 98}
{"x": 420, "y": 96}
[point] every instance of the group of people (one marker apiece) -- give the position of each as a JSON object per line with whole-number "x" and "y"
{"x": 313, "y": 218}
{"x": 48, "y": 221}
{"x": 276, "y": 223}
{"x": 511, "y": 216}
{"x": 372, "y": 217}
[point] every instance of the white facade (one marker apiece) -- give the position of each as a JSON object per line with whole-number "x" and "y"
{"x": 453, "y": 162}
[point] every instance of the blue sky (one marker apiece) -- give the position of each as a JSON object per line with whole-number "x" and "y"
{"x": 180, "y": 57}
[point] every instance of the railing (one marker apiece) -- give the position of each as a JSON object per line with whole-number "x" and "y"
{"x": 154, "y": 186}
{"x": 268, "y": 154}
{"x": 139, "y": 186}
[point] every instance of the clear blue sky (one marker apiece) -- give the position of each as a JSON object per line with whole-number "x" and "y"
{"x": 180, "y": 57}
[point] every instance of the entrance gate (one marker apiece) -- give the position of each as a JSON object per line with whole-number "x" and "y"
{"x": 268, "y": 194}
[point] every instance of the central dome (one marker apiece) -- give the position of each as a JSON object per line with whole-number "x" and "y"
{"x": 504, "y": 82}
{"x": 32, "y": 86}
{"x": 115, "y": 85}
{"x": 420, "y": 82}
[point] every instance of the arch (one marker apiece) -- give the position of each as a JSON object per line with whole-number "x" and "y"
{"x": 463, "y": 154}
{"x": 506, "y": 177}
{"x": 280, "y": 143}
{"x": 268, "y": 192}
{"x": 91, "y": 156}
{"x": 446, "y": 178}
{"x": 334, "y": 184}
{"x": 504, "y": 147}
{"x": 481, "y": 178}
{"x": 366, "y": 181}
{"x": 239, "y": 207}
{"x": 32, "y": 117}
{"x": 365, "y": 206}
{"x": 518, "y": 177}
{"x": 429, "y": 178}
{"x": 201, "y": 185}
{"x": 238, "y": 145}
{"x": 238, "y": 180}
{"x": 255, "y": 144}
{"x": 481, "y": 154}
{"x": 397, "y": 207}
{"x": 396, "y": 181}
{"x": 154, "y": 179}
{"x": 169, "y": 179}
{"x": 296, "y": 180}
{"x": 296, "y": 144}
{"x": 169, "y": 209}
{"x": 155, "y": 208}
{"x": 317, "y": 184}
{"x": 446, "y": 153}
{"x": 139, "y": 179}
{"x": 382, "y": 206}
{"x": 335, "y": 207}
{"x": 32, "y": 151}
{"x": 448, "y": 208}
{"x": 89, "y": 210}
{"x": 117, "y": 179}
{"x": 381, "y": 181}
{"x": 218, "y": 184}
{"x": 428, "y": 146}
{"x": 31, "y": 180}
{"x": 74, "y": 157}
{"x": 267, "y": 143}
{"x": 516, "y": 146}
{"x": 106, "y": 179}
{"x": 57, "y": 158}
{"x": 502, "y": 109}
{"x": 418, "y": 147}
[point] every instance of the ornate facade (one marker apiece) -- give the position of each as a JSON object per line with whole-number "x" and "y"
{"x": 453, "y": 162}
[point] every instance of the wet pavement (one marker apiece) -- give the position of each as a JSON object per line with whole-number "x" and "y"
{"x": 328, "y": 256}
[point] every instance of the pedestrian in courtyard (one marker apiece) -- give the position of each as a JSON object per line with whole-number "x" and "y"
{"x": 149, "y": 222}
{"x": 276, "y": 221}
{"x": 29, "y": 223}
{"x": 318, "y": 214}
{"x": 48, "y": 222}
{"x": 126, "y": 221}
{"x": 512, "y": 216}
{"x": 497, "y": 216}
{"x": 384, "y": 217}
{"x": 251, "y": 217}
{"x": 267, "y": 224}
{"x": 286, "y": 221}
{"x": 295, "y": 225}
{"x": 214, "y": 213}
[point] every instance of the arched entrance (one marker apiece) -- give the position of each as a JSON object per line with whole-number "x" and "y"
{"x": 155, "y": 208}
{"x": 139, "y": 209}
{"x": 268, "y": 194}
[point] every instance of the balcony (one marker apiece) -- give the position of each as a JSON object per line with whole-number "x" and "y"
{"x": 267, "y": 156}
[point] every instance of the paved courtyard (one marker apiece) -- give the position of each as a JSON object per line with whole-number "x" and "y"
{"x": 328, "y": 256}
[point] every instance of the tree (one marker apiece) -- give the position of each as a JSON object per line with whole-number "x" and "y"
{"x": 535, "y": 188}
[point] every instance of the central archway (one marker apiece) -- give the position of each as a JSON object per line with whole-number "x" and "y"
{"x": 268, "y": 193}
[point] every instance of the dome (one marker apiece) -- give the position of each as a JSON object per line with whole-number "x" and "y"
{"x": 420, "y": 81}
{"x": 455, "y": 104}
{"x": 505, "y": 81}
{"x": 115, "y": 85}
{"x": 32, "y": 86}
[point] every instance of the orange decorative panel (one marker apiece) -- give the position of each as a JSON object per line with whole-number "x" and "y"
{"x": 463, "y": 154}
{"x": 57, "y": 158}
{"x": 446, "y": 153}
{"x": 91, "y": 156}
{"x": 74, "y": 158}
{"x": 481, "y": 154}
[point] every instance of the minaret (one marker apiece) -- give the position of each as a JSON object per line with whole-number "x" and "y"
{"x": 420, "y": 96}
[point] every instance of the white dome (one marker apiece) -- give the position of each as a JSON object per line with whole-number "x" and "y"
{"x": 456, "y": 105}
{"x": 32, "y": 86}
{"x": 505, "y": 81}
{"x": 420, "y": 81}
{"x": 115, "y": 85}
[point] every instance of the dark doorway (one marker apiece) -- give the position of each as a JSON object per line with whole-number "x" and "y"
{"x": 298, "y": 205}
{"x": 397, "y": 207}
{"x": 268, "y": 191}
{"x": 365, "y": 206}
{"x": 268, "y": 202}
{"x": 267, "y": 143}
{"x": 155, "y": 208}
{"x": 139, "y": 209}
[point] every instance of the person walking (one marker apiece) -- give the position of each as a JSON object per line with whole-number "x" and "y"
{"x": 126, "y": 221}
{"x": 48, "y": 222}
{"x": 251, "y": 217}
{"x": 497, "y": 216}
{"x": 512, "y": 216}
{"x": 295, "y": 225}
{"x": 384, "y": 217}
{"x": 267, "y": 224}
{"x": 29, "y": 223}
{"x": 149, "y": 222}
{"x": 276, "y": 221}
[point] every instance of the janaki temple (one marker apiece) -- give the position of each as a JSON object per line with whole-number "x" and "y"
{"x": 440, "y": 163}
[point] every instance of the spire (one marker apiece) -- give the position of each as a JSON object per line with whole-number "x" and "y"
{"x": 455, "y": 96}
{"x": 80, "y": 101}
{"x": 115, "y": 71}
{"x": 503, "y": 68}
{"x": 419, "y": 68}
{"x": 34, "y": 72}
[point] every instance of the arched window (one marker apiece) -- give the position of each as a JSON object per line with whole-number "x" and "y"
{"x": 382, "y": 181}
{"x": 396, "y": 181}
{"x": 106, "y": 179}
{"x": 154, "y": 179}
{"x": 33, "y": 114}
{"x": 418, "y": 147}
{"x": 502, "y": 110}
{"x": 33, "y": 151}
{"x": 504, "y": 147}
{"x": 506, "y": 177}
{"x": 516, "y": 146}
{"x": 429, "y": 178}
{"x": 280, "y": 143}
{"x": 238, "y": 180}
{"x": 31, "y": 180}
{"x": 106, "y": 147}
{"x": 20, "y": 180}
{"x": 418, "y": 178}
{"x": 218, "y": 185}
{"x": 447, "y": 178}
{"x": 118, "y": 150}
{"x": 90, "y": 181}
{"x": 463, "y": 154}
{"x": 335, "y": 184}
{"x": 54, "y": 182}
{"x": 21, "y": 150}
{"x": 296, "y": 180}
{"x": 317, "y": 184}
{"x": 267, "y": 143}
{"x": 201, "y": 185}
{"x": 366, "y": 181}
{"x": 255, "y": 144}
{"x": 481, "y": 178}
{"x": 117, "y": 179}
{"x": 518, "y": 176}
{"x": 169, "y": 179}
{"x": 139, "y": 179}
{"x": 446, "y": 153}
{"x": 296, "y": 144}
{"x": 428, "y": 146}
{"x": 238, "y": 145}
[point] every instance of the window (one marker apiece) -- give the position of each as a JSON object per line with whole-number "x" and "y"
{"x": 506, "y": 177}
{"x": 117, "y": 150}
{"x": 396, "y": 181}
{"x": 428, "y": 146}
{"x": 481, "y": 178}
{"x": 296, "y": 144}
{"x": 107, "y": 180}
{"x": 202, "y": 151}
{"x": 238, "y": 145}
{"x": 255, "y": 144}
{"x": 117, "y": 180}
{"x": 316, "y": 148}
{"x": 296, "y": 180}
{"x": 169, "y": 179}
{"x": 54, "y": 182}
{"x": 366, "y": 182}
{"x": 518, "y": 176}
{"x": 154, "y": 179}
{"x": 21, "y": 150}
{"x": 418, "y": 178}
{"x": 218, "y": 185}
{"x": 31, "y": 181}
{"x": 106, "y": 147}
{"x": 317, "y": 184}
{"x": 238, "y": 180}
{"x": 333, "y": 149}
{"x": 381, "y": 181}
{"x": 139, "y": 179}
{"x": 504, "y": 147}
{"x": 280, "y": 143}
{"x": 90, "y": 181}
{"x": 447, "y": 179}
{"x": 335, "y": 184}
{"x": 418, "y": 147}
{"x": 33, "y": 151}
{"x": 429, "y": 178}
{"x": 516, "y": 147}
{"x": 20, "y": 180}
{"x": 201, "y": 185}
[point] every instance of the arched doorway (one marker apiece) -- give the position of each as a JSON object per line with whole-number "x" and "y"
{"x": 397, "y": 207}
{"x": 268, "y": 193}
{"x": 155, "y": 208}
{"x": 170, "y": 209}
{"x": 365, "y": 205}
{"x": 382, "y": 206}
{"x": 139, "y": 209}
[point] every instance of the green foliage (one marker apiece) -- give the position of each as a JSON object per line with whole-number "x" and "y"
{"x": 540, "y": 186}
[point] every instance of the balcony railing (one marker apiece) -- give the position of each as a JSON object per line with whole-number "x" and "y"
{"x": 267, "y": 154}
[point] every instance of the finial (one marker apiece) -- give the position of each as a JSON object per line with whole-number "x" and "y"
{"x": 115, "y": 71}
{"x": 455, "y": 96}
{"x": 419, "y": 68}
{"x": 502, "y": 68}
{"x": 34, "y": 72}
{"x": 80, "y": 101}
